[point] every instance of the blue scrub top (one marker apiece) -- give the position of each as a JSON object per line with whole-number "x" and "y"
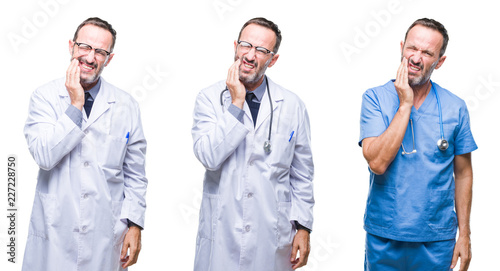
{"x": 414, "y": 200}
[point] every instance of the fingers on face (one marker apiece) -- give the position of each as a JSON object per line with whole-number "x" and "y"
{"x": 400, "y": 74}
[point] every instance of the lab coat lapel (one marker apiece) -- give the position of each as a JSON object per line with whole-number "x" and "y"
{"x": 64, "y": 95}
{"x": 265, "y": 109}
{"x": 102, "y": 103}
{"x": 247, "y": 119}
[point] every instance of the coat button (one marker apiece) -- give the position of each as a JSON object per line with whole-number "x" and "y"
{"x": 85, "y": 196}
{"x": 247, "y": 228}
{"x": 86, "y": 164}
{"x": 84, "y": 228}
{"x": 251, "y": 163}
{"x": 250, "y": 195}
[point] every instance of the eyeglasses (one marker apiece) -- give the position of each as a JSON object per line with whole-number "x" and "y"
{"x": 413, "y": 141}
{"x": 260, "y": 51}
{"x": 86, "y": 49}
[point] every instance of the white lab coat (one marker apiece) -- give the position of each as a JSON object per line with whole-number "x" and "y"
{"x": 250, "y": 198}
{"x": 91, "y": 180}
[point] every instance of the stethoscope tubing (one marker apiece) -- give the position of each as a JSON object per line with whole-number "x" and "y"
{"x": 441, "y": 143}
{"x": 268, "y": 143}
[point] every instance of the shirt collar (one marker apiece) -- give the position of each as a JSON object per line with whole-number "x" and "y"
{"x": 260, "y": 90}
{"x": 95, "y": 89}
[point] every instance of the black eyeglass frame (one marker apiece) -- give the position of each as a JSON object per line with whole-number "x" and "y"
{"x": 96, "y": 50}
{"x": 257, "y": 48}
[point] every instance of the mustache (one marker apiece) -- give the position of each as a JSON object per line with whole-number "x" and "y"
{"x": 415, "y": 64}
{"x": 253, "y": 62}
{"x": 82, "y": 59}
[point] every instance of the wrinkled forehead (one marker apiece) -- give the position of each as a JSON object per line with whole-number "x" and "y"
{"x": 95, "y": 36}
{"x": 259, "y": 35}
{"x": 424, "y": 38}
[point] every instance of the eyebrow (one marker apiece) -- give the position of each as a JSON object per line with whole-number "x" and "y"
{"x": 413, "y": 47}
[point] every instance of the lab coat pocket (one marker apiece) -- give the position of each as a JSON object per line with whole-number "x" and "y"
{"x": 285, "y": 229}
{"x": 282, "y": 149}
{"x": 42, "y": 215}
{"x": 441, "y": 210}
{"x": 380, "y": 206}
{"x": 113, "y": 152}
{"x": 120, "y": 227}
{"x": 209, "y": 213}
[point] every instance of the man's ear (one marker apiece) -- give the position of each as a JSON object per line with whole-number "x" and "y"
{"x": 273, "y": 61}
{"x": 109, "y": 59}
{"x": 441, "y": 61}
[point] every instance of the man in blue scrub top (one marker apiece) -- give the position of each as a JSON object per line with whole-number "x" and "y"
{"x": 420, "y": 184}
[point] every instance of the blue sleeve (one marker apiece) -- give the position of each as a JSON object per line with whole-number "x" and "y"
{"x": 75, "y": 115}
{"x": 464, "y": 141}
{"x": 236, "y": 112}
{"x": 371, "y": 122}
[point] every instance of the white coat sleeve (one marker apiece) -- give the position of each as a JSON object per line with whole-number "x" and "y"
{"x": 135, "y": 181}
{"x": 301, "y": 177}
{"x": 216, "y": 134}
{"x": 50, "y": 134}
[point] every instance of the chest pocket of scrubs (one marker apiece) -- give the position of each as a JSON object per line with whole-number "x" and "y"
{"x": 449, "y": 135}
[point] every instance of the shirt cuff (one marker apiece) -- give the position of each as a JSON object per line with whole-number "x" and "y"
{"x": 300, "y": 227}
{"x": 236, "y": 112}
{"x": 130, "y": 224}
{"x": 75, "y": 115}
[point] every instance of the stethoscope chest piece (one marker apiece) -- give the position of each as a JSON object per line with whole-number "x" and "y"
{"x": 442, "y": 144}
{"x": 267, "y": 147}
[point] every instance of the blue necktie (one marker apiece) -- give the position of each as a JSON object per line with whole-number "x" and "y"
{"x": 88, "y": 103}
{"x": 254, "y": 107}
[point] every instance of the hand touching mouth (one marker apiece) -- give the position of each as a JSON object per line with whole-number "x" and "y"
{"x": 85, "y": 66}
{"x": 413, "y": 67}
{"x": 247, "y": 65}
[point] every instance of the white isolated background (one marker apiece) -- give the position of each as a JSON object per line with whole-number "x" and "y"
{"x": 167, "y": 51}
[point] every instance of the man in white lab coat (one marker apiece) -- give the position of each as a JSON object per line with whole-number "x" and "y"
{"x": 86, "y": 136}
{"x": 253, "y": 138}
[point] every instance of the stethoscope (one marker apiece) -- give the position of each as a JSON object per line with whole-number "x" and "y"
{"x": 267, "y": 143}
{"x": 442, "y": 143}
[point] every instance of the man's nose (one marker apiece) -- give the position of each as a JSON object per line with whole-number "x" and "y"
{"x": 250, "y": 55}
{"x": 415, "y": 58}
{"x": 90, "y": 56}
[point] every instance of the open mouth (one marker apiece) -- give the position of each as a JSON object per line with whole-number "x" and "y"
{"x": 247, "y": 66}
{"x": 86, "y": 67}
{"x": 413, "y": 67}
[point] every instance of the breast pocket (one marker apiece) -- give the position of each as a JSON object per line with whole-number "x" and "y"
{"x": 112, "y": 153}
{"x": 282, "y": 151}
{"x": 449, "y": 135}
